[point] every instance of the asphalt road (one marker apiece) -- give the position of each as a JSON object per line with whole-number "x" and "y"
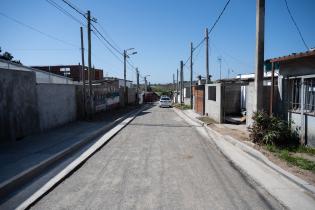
{"x": 158, "y": 162}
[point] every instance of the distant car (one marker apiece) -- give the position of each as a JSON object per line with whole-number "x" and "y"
{"x": 165, "y": 101}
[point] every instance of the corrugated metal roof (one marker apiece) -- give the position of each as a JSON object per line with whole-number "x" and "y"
{"x": 293, "y": 56}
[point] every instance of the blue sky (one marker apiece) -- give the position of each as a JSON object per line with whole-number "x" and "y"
{"x": 161, "y": 32}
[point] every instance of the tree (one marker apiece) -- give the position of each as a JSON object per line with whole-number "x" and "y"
{"x": 8, "y": 56}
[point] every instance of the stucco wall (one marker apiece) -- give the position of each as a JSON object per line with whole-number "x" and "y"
{"x": 18, "y": 107}
{"x": 213, "y": 108}
{"x": 56, "y": 104}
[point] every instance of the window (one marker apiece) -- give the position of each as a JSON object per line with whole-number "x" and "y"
{"x": 65, "y": 70}
{"x": 308, "y": 93}
{"x": 309, "y": 98}
{"x": 295, "y": 94}
{"x": 212, "y": 93}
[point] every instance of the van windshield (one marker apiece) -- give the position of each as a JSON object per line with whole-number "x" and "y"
{"x": 165, "y": 99}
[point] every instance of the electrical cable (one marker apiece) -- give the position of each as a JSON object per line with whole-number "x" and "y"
{"x": 38, "y": 31}
{"x": 296, "y": 26}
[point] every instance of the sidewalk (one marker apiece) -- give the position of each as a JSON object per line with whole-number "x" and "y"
{"x": 291, "y": 191}
{"x": 25, "y": 159}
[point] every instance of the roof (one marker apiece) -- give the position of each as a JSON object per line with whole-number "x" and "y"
{"x": 293, "y": 56}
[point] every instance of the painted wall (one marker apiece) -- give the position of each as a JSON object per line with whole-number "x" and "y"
{"x": 18, "y": 107}
{"x": 213, "y": 108}
{"x": 56, "y": 105}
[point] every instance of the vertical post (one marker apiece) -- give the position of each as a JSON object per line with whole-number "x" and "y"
{"x": 174, "y": 82}
{"x": 177, "y": 86}
{"x": 125, "y": 69}
{"x": 83, "y": 73}
{"x": 207, "y": 56}
{"x": 220, "y": 62}
{"x": 191, "y": 73}
{"x": 89, "y": 61}
{"x": 259, "y": 63}
{"x": 145, "y": 84}
{"x": 302, "y": 94}
{"x": 137, "y": 80}
{"x": 181, "y": 82}
{"x": 272, "y": 88}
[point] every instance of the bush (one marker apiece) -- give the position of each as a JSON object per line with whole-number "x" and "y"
{"x": 272, "y": 130}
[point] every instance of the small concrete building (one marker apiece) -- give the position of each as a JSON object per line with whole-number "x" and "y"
{"x": 296, "y": 90}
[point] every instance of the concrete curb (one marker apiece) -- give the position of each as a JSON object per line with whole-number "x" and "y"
{"x": 81, "y": 159}
{"x": 21, "y": 178}
{"x": 259, "y": 156}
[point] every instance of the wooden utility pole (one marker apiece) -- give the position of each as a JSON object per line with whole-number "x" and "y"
{"x": 83, "y": 73}
{"x": 207, "y": 56}
{"x": 191, "y": 73}
{"x": 259, "y": 63}
{"x": 89, "y": 61}
{"x": 181, "y": 82}
{"x": 177, "y": 86}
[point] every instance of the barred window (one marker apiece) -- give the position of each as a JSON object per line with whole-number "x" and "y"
{"x": 309, "y": 87}
{"x": 295, "y": 95}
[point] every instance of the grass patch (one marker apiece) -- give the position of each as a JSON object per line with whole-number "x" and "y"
{"x": 286, "y": 154}
{"x": 182, "y": 106}
{"x": 207, "y": 120}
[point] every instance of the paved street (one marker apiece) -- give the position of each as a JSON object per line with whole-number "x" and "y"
{"x": 157, "y": 162}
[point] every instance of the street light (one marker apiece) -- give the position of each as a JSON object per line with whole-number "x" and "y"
{"x": 126, "y": 55}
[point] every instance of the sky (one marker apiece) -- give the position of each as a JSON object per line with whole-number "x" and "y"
{"x": 160, "y": 31}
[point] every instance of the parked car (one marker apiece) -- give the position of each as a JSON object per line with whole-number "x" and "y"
{"x": 165, "y": 101}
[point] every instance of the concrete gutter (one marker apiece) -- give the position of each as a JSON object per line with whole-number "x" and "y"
{"x": 77, "y": 162}
{"x": 290, "y": 190}
{"x": 23, "y": 177}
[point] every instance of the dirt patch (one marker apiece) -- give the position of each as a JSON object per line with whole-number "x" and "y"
{"x": 237, "y": 134}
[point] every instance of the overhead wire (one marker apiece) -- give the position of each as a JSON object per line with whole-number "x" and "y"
{"x": 38, "y": 31}
{"x": 296, "y": 25}
{"x": 211, "y": 29}
{"x": 57, "y": 6}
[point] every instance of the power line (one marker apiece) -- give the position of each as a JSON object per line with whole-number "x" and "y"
{"x": 296, "y": 26}
{"x": 211, "y": 29}
{"x": 108, "y": 42}
{"x": 38, "y": 31}
{"x": 53, "y": 3}
{"x": 75, "y": 8}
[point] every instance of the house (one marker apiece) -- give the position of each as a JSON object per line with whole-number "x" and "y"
{"x": 72, "y": 71}
{"x": 296, "y": 89}
{"x": 40, "y": 75}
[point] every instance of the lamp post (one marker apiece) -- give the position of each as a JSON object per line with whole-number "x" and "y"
{"x": 126, "y": 55}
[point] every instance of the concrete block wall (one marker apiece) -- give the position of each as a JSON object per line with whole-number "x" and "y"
{"x": 213, "y": 108}
{"x": 56, "y": 105}
{"x": 18, "y": 107}
{"x": 131, "y": 95}
{"x": 250, "y": 101}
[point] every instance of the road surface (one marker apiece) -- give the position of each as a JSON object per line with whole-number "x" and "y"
{"x": 158, "y": 161}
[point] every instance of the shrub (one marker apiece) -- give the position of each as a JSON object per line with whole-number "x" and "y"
{"x": 271, "y": 130}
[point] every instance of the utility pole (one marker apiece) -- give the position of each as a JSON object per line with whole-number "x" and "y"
{"x": 191, "y": 73}
{"x": 145, "y": 84}
{"x": 259, "y": 63}
{"x": 174, "y": 88}
{"x": 207, "y": 56}
{"x": 83, "y": 73}
{"x": 89, "y": 61}
{"x": 137, "y": 80}
{"x": 125, "y": 70}
{"x": 177, "y": 86}
{"x": 181, "y": 82}
{"x": 220, "y": 62}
